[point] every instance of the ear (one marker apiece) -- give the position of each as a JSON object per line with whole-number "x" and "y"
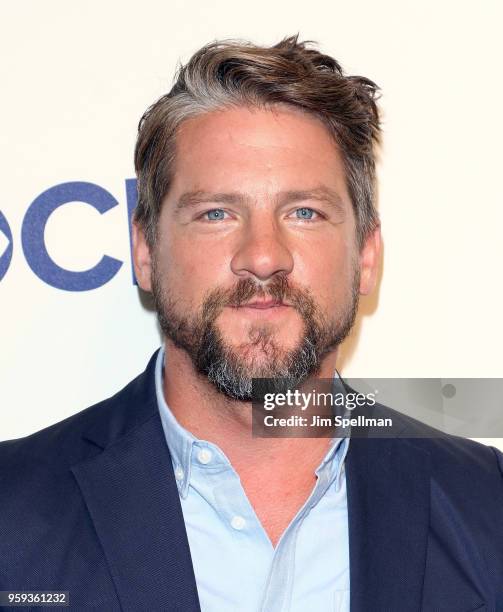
{"x": 369, "y": 261}
{"x": 141, "y": 258}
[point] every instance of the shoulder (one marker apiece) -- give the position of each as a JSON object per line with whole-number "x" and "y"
{"x": 452, "y": 457}
{"x": 56, "y": 446}
{"x": 41, "y": 503}
{"x": 54, "y": 449}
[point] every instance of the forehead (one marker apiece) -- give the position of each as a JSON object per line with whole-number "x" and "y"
{"x": 254, "y": 149}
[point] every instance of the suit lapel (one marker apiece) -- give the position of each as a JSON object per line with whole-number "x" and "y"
{"x": 132, "y": 498}
{"x": 388, "y": 483}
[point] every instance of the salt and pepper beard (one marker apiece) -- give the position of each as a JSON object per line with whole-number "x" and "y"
{"x": 231, "y": 373}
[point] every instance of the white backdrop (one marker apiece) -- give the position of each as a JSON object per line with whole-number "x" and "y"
{"x": 76, "y": 77}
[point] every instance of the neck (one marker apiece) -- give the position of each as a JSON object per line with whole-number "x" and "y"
{"x": 212, "y": 416}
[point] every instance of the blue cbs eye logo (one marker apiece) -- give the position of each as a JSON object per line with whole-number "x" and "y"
{"x": 5, "y": 246}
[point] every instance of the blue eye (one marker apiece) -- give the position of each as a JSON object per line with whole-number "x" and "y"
{"x": 305, "y": 213}
{"x": 217, "y": 213}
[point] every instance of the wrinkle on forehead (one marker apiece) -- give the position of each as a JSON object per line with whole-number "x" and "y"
{"x": 278, "y": 116}
{"x": 257, "y": 150}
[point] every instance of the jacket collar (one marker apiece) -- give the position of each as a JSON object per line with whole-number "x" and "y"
{"x": 124, "y": 412}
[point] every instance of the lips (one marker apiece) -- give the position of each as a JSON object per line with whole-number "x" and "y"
{"x": 262, "y": 304}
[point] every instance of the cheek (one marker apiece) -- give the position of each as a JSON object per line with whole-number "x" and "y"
{"x": 327, "y": 271}
{"x": 189, "y": 272}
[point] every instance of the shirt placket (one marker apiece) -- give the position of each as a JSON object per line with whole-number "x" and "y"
{"x": 278, "y": 591}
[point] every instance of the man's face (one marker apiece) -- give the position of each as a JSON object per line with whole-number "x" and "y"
{"x": 258, "y": 212}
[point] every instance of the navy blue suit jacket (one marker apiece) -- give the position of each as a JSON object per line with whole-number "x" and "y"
{"x": 90, "y": 506}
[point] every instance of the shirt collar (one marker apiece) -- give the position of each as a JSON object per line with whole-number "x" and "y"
{"x": 181, "y": 442}
{"x": 179, "y": 439}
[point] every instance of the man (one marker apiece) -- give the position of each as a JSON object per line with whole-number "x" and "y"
{"x": 255, "y": 231}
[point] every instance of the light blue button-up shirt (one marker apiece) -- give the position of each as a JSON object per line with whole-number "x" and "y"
{"x": 237, "y": 569}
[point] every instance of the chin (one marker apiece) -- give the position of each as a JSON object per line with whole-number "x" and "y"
{"x": 259, "y": 361}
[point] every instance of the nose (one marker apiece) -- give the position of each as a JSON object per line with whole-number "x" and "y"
{"x": 262, "y": 251}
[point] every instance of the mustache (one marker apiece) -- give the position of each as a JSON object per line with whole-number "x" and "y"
{"x": 279, "y": 288}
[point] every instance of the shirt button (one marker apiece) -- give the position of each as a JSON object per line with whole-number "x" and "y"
{"x": 238, "y": 522}
{"x": 179, "y": 473}
{"x": 204, "y": 456}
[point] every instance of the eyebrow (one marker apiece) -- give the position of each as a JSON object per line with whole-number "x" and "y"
{"x": 322, "y": 193}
